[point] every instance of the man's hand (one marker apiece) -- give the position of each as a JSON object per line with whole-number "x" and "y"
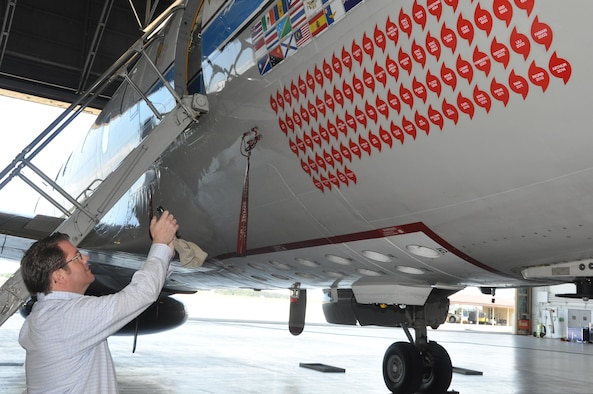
{"x": 164, "y": 229}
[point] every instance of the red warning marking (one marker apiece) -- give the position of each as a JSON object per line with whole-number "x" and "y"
{"x": 327, "y": 71}
{"x": 448, "y": 38}
{"x": 385, "y": 136}
{"x": 393, "y": 101}
{"x": 273, "y": 104}
{"x": 526, "y": 5}
{"x": 500, "y": 52}
{"x": 433, "y": 46}
{"x": 520, "y": 43}
{"x": 370, "y": 111}
{"x": 409, "y": 127}
{"x": 539, "y": 76}
{"x": 356, "y": 52}
{"x": 465, "y": 29}
{"x": 346, "y": 59}
{"x": 435, "y": 117}
{"x": 419, "y": 90}
{"x": 450, "y": 111}
{"x": 405, "y": 23}
{"x": 481, "y": 61}
{"x": 379, "y": 37}
{"x": 318, "y": 76}
{"x": 392, "y": 30}
{"x": 449, "y": 77}
{"x": 406, "y": 96}
{"x": 418, "y": 53}
{"x": 367, "y": 45}
{"x": 465, "y": 105}
{"x": 500, "y": 92}
{"x": 337, "y": 65}
{"x": 433, "y": 83}
{"x": 355, "y": 149}
{"x": 364, "y": 145}
{"x": 422, "y": 123}
{"x": 435, "y": 8}
{"x": 560, "y": 68}
{"x": 369, "y": 80}
{"x": 541, "y": 33}
{"x": 405, "y": 61}
{"x": 392, "y": 67}
{"x": 419, "y": 14}
{"x": 503, "y": 10}
{"x": 360, "y": 117}
{"x": 397, "y": 132}
{"x": 380, "y": 74}
{"x": 482, "y": 99}
{"x": 483, "y": 19}
{"x": 518, "y": 84}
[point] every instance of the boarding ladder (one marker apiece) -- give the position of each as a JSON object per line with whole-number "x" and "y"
{"x": 87, "y": 209}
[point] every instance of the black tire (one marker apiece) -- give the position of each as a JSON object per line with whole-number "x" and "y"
{"x": 402, "y": 368}
{"x": 452, "y": 319}
{"x": 438, "y": 369}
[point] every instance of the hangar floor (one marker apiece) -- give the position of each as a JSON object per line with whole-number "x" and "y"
{"x": 224, "y": 356}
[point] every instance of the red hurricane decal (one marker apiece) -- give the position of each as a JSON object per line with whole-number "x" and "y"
{"x": 325, "y": 111}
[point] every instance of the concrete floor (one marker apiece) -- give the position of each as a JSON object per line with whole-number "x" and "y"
{"x": 218, "y": 356}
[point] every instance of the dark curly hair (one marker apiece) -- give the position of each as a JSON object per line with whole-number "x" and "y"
{"x": 40, "y": 260}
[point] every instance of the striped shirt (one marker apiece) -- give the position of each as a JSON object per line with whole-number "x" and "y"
{"x": 65, "y": 336}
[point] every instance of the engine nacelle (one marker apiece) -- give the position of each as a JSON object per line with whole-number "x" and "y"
{"x": 165, "y": 314}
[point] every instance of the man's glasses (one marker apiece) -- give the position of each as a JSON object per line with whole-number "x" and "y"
{"x": 77, "y": 256}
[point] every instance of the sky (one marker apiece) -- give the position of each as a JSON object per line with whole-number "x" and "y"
{"x": 21, "y": 121}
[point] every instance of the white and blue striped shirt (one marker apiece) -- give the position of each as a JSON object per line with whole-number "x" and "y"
{"x": 65, "y": 336}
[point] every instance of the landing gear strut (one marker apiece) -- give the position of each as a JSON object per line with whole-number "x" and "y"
{"x": 417, "y": 367}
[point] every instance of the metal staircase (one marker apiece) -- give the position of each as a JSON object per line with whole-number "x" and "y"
{"x": 88, "y": 210}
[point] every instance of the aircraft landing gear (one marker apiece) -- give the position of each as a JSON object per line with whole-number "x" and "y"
{"x": 423, "y": 367}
